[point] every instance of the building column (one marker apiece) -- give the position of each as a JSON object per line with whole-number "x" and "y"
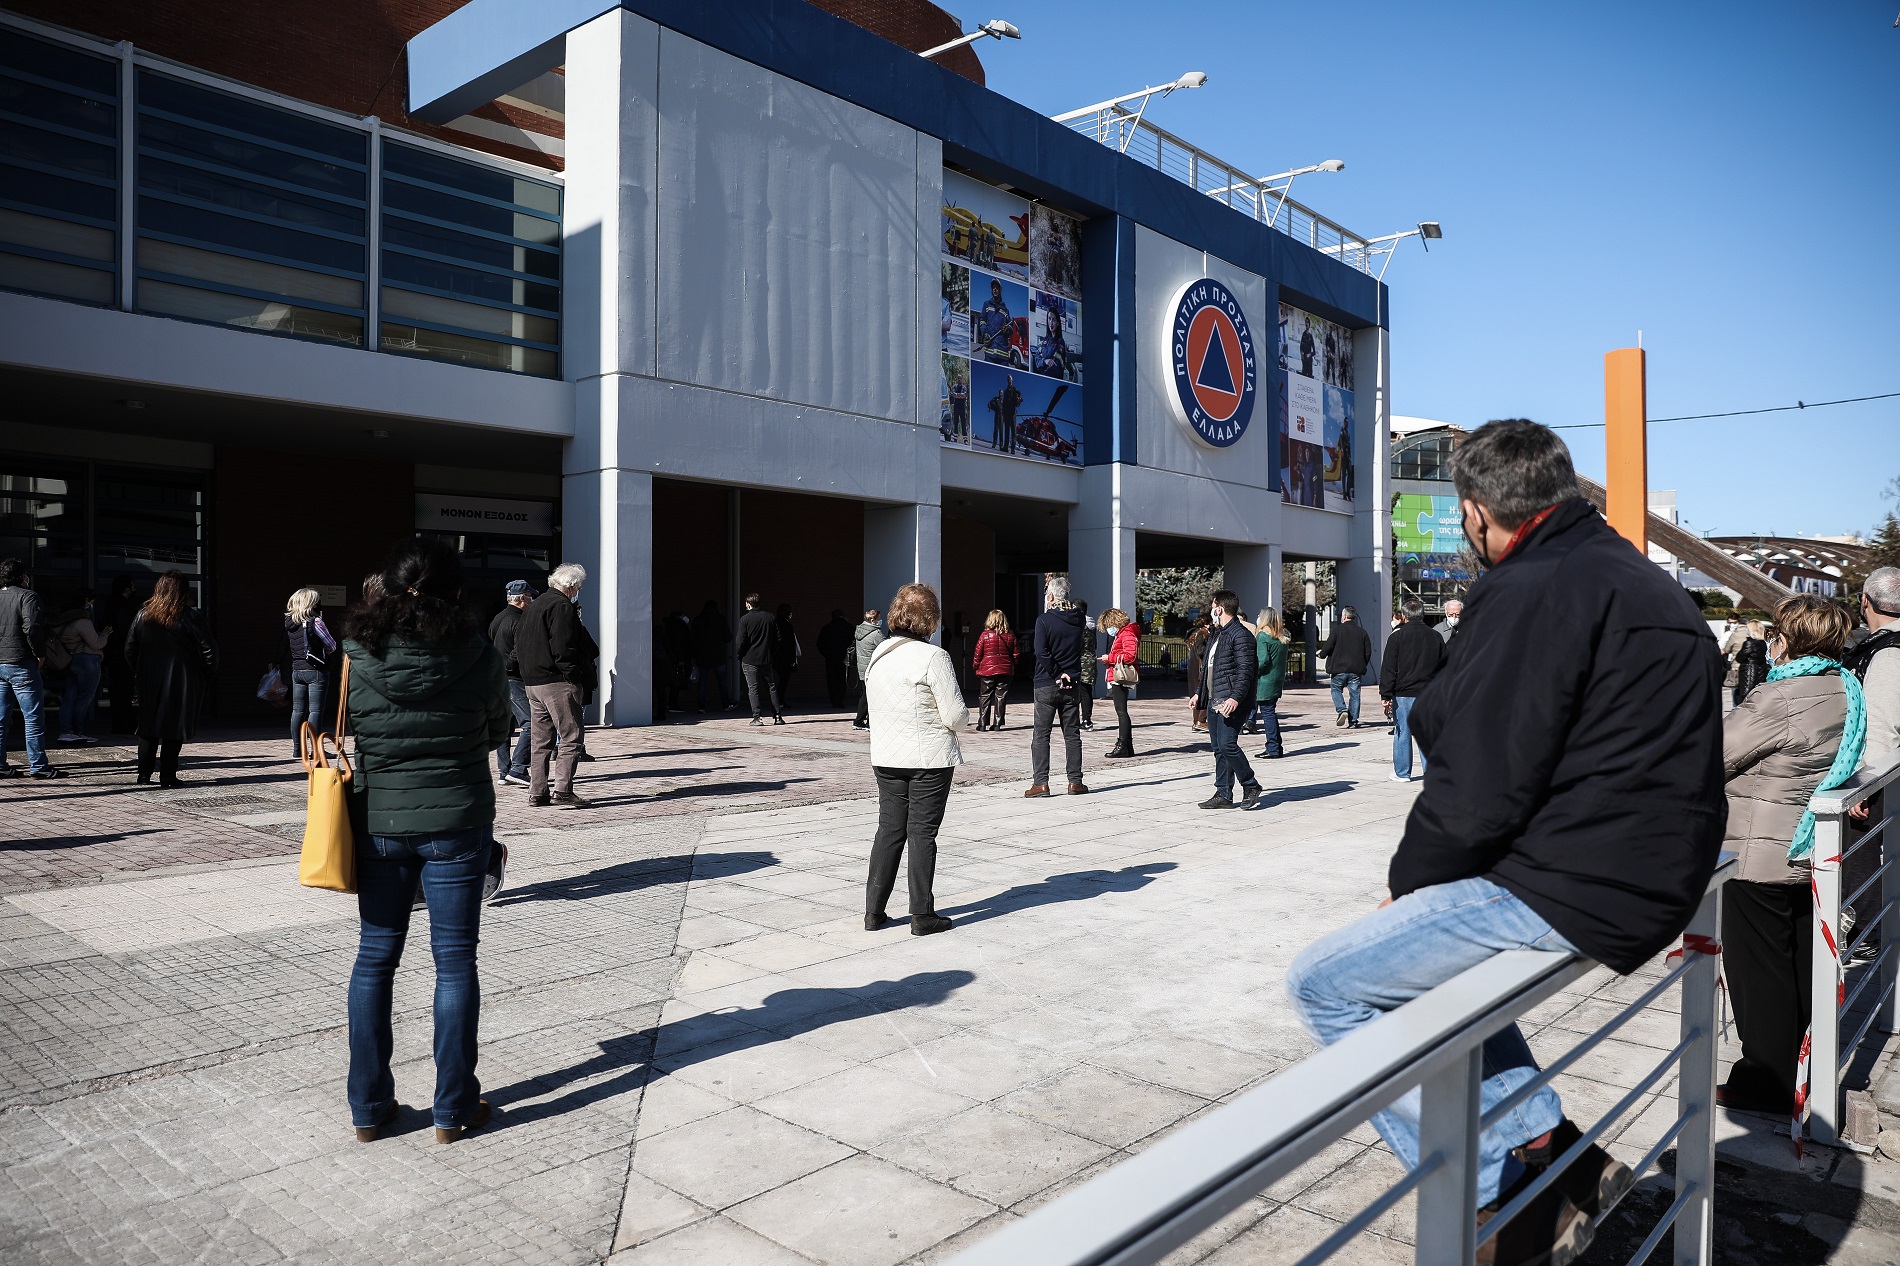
{"x": 1102, "y": 550}
{"x": 609, "y": 237}
{"x": 1253, "y": 573}
{"x": 1365, "y": 579}
{"x": 903, "y": 544}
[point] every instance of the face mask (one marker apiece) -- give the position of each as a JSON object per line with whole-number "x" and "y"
{"x": 1452, "y": 620}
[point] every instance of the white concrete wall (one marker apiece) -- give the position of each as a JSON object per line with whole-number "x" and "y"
{"x": 1364, "y": 579}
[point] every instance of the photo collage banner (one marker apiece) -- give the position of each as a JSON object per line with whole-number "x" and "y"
{"x": 1012, "y": 324}
{"x": 1316, "y": 431}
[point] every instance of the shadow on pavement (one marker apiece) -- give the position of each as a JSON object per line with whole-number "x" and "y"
{"x": 633, "y": 876}
{"x": 80, "y": 841}
{"x": 1292, "y": 795}
{"x": 627, "y": 1062}
{"x": 1077, "y": 886}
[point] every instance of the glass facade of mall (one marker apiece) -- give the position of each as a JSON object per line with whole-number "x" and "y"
{"x": 293, "y": 222}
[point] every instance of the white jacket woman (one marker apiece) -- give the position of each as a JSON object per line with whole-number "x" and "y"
{"x": 916, "y": 710}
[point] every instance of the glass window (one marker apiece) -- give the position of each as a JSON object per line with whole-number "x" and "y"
{"x": 149, "y": 522}
{"x": 43, "y": 522}
{"x": 59, "y": 170}
{"x": 249, "y": 215}
{"x": 466, "y": 246}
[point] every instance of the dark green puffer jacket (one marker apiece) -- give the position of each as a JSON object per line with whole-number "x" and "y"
{"x": 427, "y": 723}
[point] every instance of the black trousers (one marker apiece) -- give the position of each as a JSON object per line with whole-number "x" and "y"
{"x": 864, "y": 702}
{"x": 834, "y": 682}
{"x": 910, "y": 805}
{"x": 992, "y": 699}
{"x": 1767, "y": 949}
{"x": 1118, "y": 695}
{"x": 1085, "y": 699}
{"x": 165, "y": 755}
{"x": 761, "y": 682}
{"x": 1054, "y": 705}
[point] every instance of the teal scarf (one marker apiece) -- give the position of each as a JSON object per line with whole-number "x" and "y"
{"x": 1853, "y": 739}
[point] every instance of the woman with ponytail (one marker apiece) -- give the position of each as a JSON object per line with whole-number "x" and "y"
{"x": 1799, "y": 732}
{"x": 428, "y": 702}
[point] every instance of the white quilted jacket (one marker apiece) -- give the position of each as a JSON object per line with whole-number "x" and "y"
{"x": 916, "y": 708}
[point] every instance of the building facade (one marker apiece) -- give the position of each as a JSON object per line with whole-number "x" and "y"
{"x": 771, "y": 305}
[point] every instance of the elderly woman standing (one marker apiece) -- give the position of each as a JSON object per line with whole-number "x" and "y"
{"x": 916, "y": 711}
{"x": 1799, "y": 732}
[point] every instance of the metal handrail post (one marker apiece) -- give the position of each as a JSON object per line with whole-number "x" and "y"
{"x": 1824, "y": 1029}
{"x": 1889, "y": 1021}
{"x": 1450, "y": 1105}
{"x": 1695, "y": 1093}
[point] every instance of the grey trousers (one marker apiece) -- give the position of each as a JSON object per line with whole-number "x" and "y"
{"x": 553, "y": 709}
{"x": 1054, "y": 706}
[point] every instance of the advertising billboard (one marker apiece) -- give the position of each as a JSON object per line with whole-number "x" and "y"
{"x": 1316, "y": 412}
{"x": 1011, "y": 281}
{"x": 1424, "y": 524}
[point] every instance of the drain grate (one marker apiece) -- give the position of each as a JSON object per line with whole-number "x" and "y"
{"x": 220, "y": 802}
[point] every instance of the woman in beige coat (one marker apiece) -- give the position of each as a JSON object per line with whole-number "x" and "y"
{"x": 916, "y": 711}
{"x": 1778, "y": 744}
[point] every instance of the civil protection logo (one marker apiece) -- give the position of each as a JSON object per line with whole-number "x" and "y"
{"x": 1210, "y": 350}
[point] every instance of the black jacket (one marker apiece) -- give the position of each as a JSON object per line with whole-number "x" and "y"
{"x": 23, "y": 632}
{"x": 834, "y": 639}
{"x": 1058, "y": 644}
{"x": 1575, "y": 744}
{"x": 502, "y": 631}
{"x": 1347, "y": 649}
{"x": 173, "y": 666}
{"x": 552, "y": 645}
{"x": 754, "y": 642}
{"x": 1413, "y": 655}
{"x": 1233, "y": 668}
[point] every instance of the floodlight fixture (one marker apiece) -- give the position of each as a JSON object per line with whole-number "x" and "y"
{"x": 1385, "y": 244}
{"x": 1193, "y": 79}
{"x": 995, "y": 28}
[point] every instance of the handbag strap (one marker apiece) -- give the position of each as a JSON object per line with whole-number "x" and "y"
{"x": 343, "y": 705}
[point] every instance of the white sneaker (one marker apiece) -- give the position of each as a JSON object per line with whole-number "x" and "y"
{"x": 1398, "y": 778}
{"x": 514, "y": 780}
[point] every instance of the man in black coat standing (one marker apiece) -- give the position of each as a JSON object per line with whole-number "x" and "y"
{"x": 1413, "y": 655}
{"x": 754, "y": 646}
{"x": 511, "y": 758}
{"x": 1573, "y": 803}
{"x": 1228, "y": 683}
{"x": 556, "y": 656}
{"x": 1057, "y": 642}
{"x": 1347, "y": 651}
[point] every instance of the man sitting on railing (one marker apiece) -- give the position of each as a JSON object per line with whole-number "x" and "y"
{"x": 1573, "y": 802}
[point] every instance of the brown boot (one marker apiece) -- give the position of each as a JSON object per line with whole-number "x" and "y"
{"x": 1040, "y": 789}
{"x": 1078, "y": 789}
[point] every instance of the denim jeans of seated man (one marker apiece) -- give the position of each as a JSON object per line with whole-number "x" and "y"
{"x": 1353, "y": 976}
{"x": 1346, "y": 695}
{"x": 451, "y": 867}
{"x": 21, "y": 684}
{"x": 1402, "y": 738}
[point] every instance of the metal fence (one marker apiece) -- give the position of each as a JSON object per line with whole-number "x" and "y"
{"x": 1122, "y": 129}
{"x": 1839, "y": 986}
{"x": 1145, "y": 1207}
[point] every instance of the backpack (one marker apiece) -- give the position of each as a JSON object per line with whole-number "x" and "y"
{"x": 57, "y": 657}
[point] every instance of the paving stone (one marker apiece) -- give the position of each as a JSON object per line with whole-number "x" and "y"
{"x": 1106, "y": 1107}
{"x": 723, "y": 1159}
{"x": 863, "y": 1106}
{"x": 714, "y": 1242}
{"x": 993, "y": 1155}
{"x": 860, "y": 1212}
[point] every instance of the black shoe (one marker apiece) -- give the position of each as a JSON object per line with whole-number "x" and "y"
{"x": 1341, "y": 720}
{"x": 568, "y": 800}
{"x": 1117, "y": 753}
{"x": 168, "y": 784}
{"x": 1272, "y": 755}
{"x": 1088, "y": 725}
{"x": 778, "y": 720}
{"x": 1249, "y": 795}
{"x": 54, "y": 771}
{"x": 1217, "y": 802}
{"x": 539, "y": 802}
{"x": 11, "y": 771}
{"x": 497, "y": 873}
{"x": 872, "y": 922}
{"x": 585, "y": 756}
{"x": 929, "y": 924}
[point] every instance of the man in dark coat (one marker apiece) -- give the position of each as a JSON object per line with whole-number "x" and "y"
{"x": 511, "y": 756}
{"x": 1226, "y": 690}
{"x": 556, "y": 655}
{"x": 1574, "y": 802}
{"x": 24, "y": 638}
{"x": 834, "y": 640}
{"x": 754, "y": 648}
{"x": 1058, "y": 645}
{"x": 1413, "y": 655}
{"x": 1347, "y": 651}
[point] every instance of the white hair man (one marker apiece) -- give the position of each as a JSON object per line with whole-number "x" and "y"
{"x": 1058, "y": 645}
{"x": 1454, "y": 612}
{"x": 556, "y": 656}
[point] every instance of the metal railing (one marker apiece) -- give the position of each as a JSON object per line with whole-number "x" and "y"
{"x": 1154, "y": 1202}
{"x": 1125, "y": 131}
{"x": 1834, "y": 996}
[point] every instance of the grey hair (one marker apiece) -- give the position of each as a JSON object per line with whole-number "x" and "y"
{"x": 1514, "y": 469}
{"x": 1883, "y": 587}
{"x": 1349, "y": 613}
{"x": 301, "y": 604}
{"x": 1455, "y": 602}
{"x": 1413, "y": 608}
{"x": 567, "y": 576}
{"x": 1059, "y": 588}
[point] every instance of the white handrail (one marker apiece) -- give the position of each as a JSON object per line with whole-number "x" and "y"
{"x": 1150, "y": 1204}
{"x": 1830, "y": 999}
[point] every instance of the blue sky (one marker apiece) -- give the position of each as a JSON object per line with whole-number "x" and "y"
{"x": 1724, "y": 178}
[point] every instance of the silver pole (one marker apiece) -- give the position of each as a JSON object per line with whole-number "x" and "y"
{"x": 1695, "y": 1096}
{"x": 1450, "y": 1105}
{"x": 1824, "y": 1058}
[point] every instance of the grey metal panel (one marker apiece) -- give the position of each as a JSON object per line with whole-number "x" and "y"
{"x": 787, "y": 240}
{"x": 1011, "y": 476}
{"x": 1310, "y": 533}
{"x": 1163, "y": 267}
{"x": 1175, "y": 504}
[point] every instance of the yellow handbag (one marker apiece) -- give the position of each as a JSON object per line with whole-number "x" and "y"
{"x": 329, "y": 845}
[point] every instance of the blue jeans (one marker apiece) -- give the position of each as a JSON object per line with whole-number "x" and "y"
{"x": 75, "y": 699}
{"x": 512, "y": 756}
{"x": 1229, "y": 761}
{"x": 1346, "y": 684}
{"x": 1393, "y": 955}
{"x": 1270, "y": 728}
{"x": 306, "y": 704}
{"x": 1402, "y": 737}
{"x": 21, "y": 683}
{"x": 450, "y": 868}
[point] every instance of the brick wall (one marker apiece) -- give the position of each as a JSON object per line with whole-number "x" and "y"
{"x": 348, "y": 54}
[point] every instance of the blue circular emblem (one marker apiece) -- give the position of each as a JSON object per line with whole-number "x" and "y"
{"x": 1211, "y": 352}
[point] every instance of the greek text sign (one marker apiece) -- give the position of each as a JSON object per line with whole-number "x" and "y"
{"x": 1211, "y": 355}
{"x": 438, "y": 513}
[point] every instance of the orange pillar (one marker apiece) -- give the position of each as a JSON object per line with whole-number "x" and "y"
{"x": 1626, "y": 445}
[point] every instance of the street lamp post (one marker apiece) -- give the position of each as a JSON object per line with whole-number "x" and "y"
{"x": 996, "y": 28}
{"x": 1193, "y": 79}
